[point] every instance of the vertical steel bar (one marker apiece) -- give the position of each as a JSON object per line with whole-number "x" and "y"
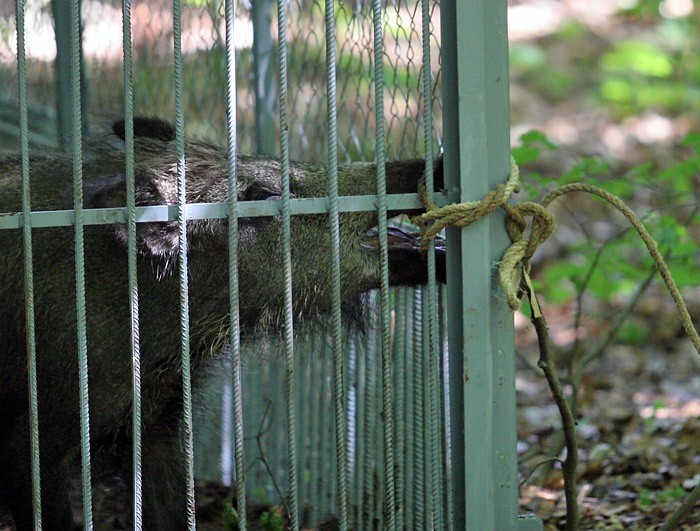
{"x": 28, "y": 265}
{"x": 428, "y": 424}
{"x": 61, "y": 16}
{"x": 81, "y": 312}
{"x": 227, "y": 461}
{"x": 444, "y": 415}
{"x": 380, "y": 158}
{"x": 419, "y": 425}
{"x": 287, "y": 259}
{"x": 476, "y": 141}
{"x": 133, "y": 279}
{"x": 431, "y": 306}
{"x": 234, "y": 309}
{"x": 183, "y": 263}
{"x": 61, "y": 10}
{"x": 368, "y": 392}
{"x": 307, "y": 392}
{"x": 316, "y": 413}
{"x": 378, "y": 497}
{"x": 278, "y": 445}
{"x": 334, "y": 217}
{"x": 265, "y": 94}
{"x": 410, "y": 367}
{"x": 356, "y": 405}
{"x": 400, "y": 397}
{"x": 299, "y": 386}
{"x": 327, "y": 433}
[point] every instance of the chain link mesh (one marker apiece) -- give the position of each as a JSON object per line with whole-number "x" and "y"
{"x": 203, "y": 39}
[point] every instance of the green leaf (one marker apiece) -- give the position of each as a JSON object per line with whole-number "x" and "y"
{"x": 640, "y": 57}
{"x": 686, "y": 273}
{"x": 617, "y": 90}
{"x": 525, "y": 154}
{"x": 619, "y": 187}
{"x": 535, "y": 137}
{"x": 692, "y": 140}
{"x": 230, "y": 516}
{"x": 645, "y": 498}
{"x": 681, "y": 174}
{"x": 586, "y": 167}
{"x": 271, "y": 521}
{"x": 640, "y": 172}
{"x": 527, "y": 56}
{"x": 633, "y": 332}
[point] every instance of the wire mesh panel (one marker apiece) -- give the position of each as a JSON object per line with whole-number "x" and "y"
{"x": 203, "y": 26}
{"x": 235, "y": 359}
{"x": 39, "y": 54}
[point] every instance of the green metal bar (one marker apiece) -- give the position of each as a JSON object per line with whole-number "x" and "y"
{"x": 304, "y": 414}
{"x": 380, "y": 159}
{"x": 334, "y": 218}
{"x": 234, "y": 309}
{"x": 279, "y": 446}
{"x": 446, "y": 484}
{"x": 301, "y": 354}
{"x": 81, "y": 312}
{"x": 314, "y": 410}
{"x": 246, "y": 209}
{"x": 400, "y": 355}
{"x": 378, "y": 487}
{"x": 419, "y": 425}
{"x": 374, "y": 496}
{"x": 411, "y": 330}
{"x": 482, "y": 382}
{"x": 430, "y": 301}
{"x": 28, "y": 266}
{"x": 132, "y": 266}
{"x": 183, "y": 269}
{"x": 356, "y": 427}
{"x": 265, "y": 94}
{"x": 367, "y": 432}
{"x": 429, "y": 425}
{"x": 329, "y": 478}
{"x": 287, "y": 259}
{"x": 61, "y": 10}
{"x": 65, "y": 83}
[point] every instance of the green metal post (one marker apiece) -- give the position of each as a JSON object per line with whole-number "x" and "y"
{"x": 263, "y": 69}
{"x": 482, "y": 367}
{"x": 61, "y": 16}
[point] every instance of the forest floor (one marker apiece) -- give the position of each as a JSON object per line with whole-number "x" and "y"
{"x": 639, "y": 407}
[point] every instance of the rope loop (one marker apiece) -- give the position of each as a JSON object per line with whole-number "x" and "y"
{"x": 514, "y": 266}
{"x": 464, "y": 214}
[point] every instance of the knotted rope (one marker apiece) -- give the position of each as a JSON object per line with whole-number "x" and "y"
{"x": 464, "y": 214}
{"x": 524, "y": 245}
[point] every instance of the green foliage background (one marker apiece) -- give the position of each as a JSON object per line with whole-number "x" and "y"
{"x": 619, "y": 75}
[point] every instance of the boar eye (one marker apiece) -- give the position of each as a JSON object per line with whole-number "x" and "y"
{"x": 259, "y": 192}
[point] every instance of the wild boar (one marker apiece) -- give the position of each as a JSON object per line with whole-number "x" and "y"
{"x": 261, "y": 280}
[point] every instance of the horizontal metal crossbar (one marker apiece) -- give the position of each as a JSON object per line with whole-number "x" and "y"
{"x": 246, "y": 209}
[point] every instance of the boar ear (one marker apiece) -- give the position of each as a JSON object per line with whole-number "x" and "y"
{"x": 149, "y": 127}
{"x": 155, "y": 239}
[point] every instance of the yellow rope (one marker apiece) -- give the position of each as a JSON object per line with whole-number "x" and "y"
{"x": 516, "y": 260}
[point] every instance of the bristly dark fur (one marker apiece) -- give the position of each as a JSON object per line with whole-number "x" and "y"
{"x": 152, "y": 127}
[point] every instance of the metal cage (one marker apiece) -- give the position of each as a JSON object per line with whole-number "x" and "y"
{"x": 407, "y": 423}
